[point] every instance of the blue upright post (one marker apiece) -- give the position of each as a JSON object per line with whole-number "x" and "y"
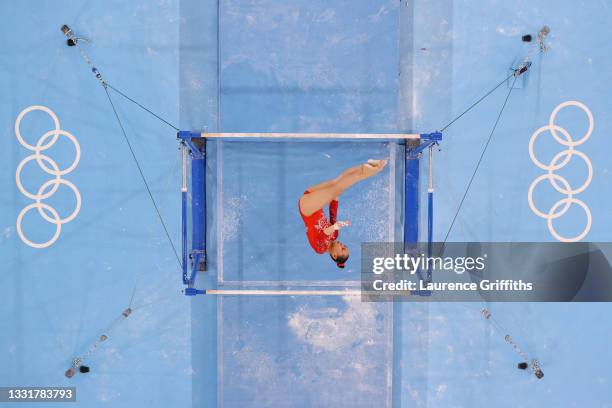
{"x": 429, "y": 221}
{"x": 198, "y": 208}
{"x": 411, "y": 201}
{"x": 411, "y": 204}
{"x": 430, "y": 193}
{"x": 411, "y": 198}
{"x": 411, "y": 186}
{"x": 184, "y": 209}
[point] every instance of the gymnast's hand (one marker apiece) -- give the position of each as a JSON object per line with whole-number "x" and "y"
{"x": 341, "y": 224}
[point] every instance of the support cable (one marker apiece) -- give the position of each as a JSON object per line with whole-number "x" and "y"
{"x": 484, "y": 150}
{"x": 523, "y": 67}
{"x": 535, "y": 363}
{"x": 74, "y": 41}
{"x": 142, "y": 107}
{"x": 144, "y": 180}
{"x": 472, "y": 106}
{"x": 77, "y": 362}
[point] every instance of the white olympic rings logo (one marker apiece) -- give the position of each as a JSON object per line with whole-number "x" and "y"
{"x": 49, "y": 166}
{"x": 558, "y": 182}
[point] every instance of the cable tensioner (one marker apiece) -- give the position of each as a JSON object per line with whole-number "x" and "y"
{"x": 72, "y": 39}
{"x": 521, "y": 69}
{"x": 535, "y": 363}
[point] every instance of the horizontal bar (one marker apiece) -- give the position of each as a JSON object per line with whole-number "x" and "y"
{"x": 294, "y": 292}
{"x": 246, "y": 284}
{"x": 311, "y": 135}
{"x": 265, "y": 292}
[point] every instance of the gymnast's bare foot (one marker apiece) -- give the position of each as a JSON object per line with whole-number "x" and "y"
{"x": 372, "y": 167}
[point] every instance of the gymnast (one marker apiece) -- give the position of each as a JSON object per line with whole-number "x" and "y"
{"x": 323, "y": 233}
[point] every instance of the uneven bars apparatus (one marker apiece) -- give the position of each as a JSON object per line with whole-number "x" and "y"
{"x": 193, "y": 147}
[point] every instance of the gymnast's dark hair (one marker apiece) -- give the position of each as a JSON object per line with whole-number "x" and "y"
{"x": 340, "y": 260}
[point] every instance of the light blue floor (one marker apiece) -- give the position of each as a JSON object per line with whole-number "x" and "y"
{"x": 365, "y": 66}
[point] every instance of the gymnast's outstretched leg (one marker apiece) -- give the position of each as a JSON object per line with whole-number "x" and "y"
{"x": 322, "y": 194}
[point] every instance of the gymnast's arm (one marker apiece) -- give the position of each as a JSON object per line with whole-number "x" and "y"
{"x": 333, "y": 212}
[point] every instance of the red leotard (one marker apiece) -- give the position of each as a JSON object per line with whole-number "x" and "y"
{"x": 316, "y": 223}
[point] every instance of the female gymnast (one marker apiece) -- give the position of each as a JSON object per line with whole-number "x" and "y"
{"x": 323, "y": 233}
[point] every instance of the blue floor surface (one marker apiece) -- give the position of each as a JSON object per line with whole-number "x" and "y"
{"x": 304, "y": 66}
